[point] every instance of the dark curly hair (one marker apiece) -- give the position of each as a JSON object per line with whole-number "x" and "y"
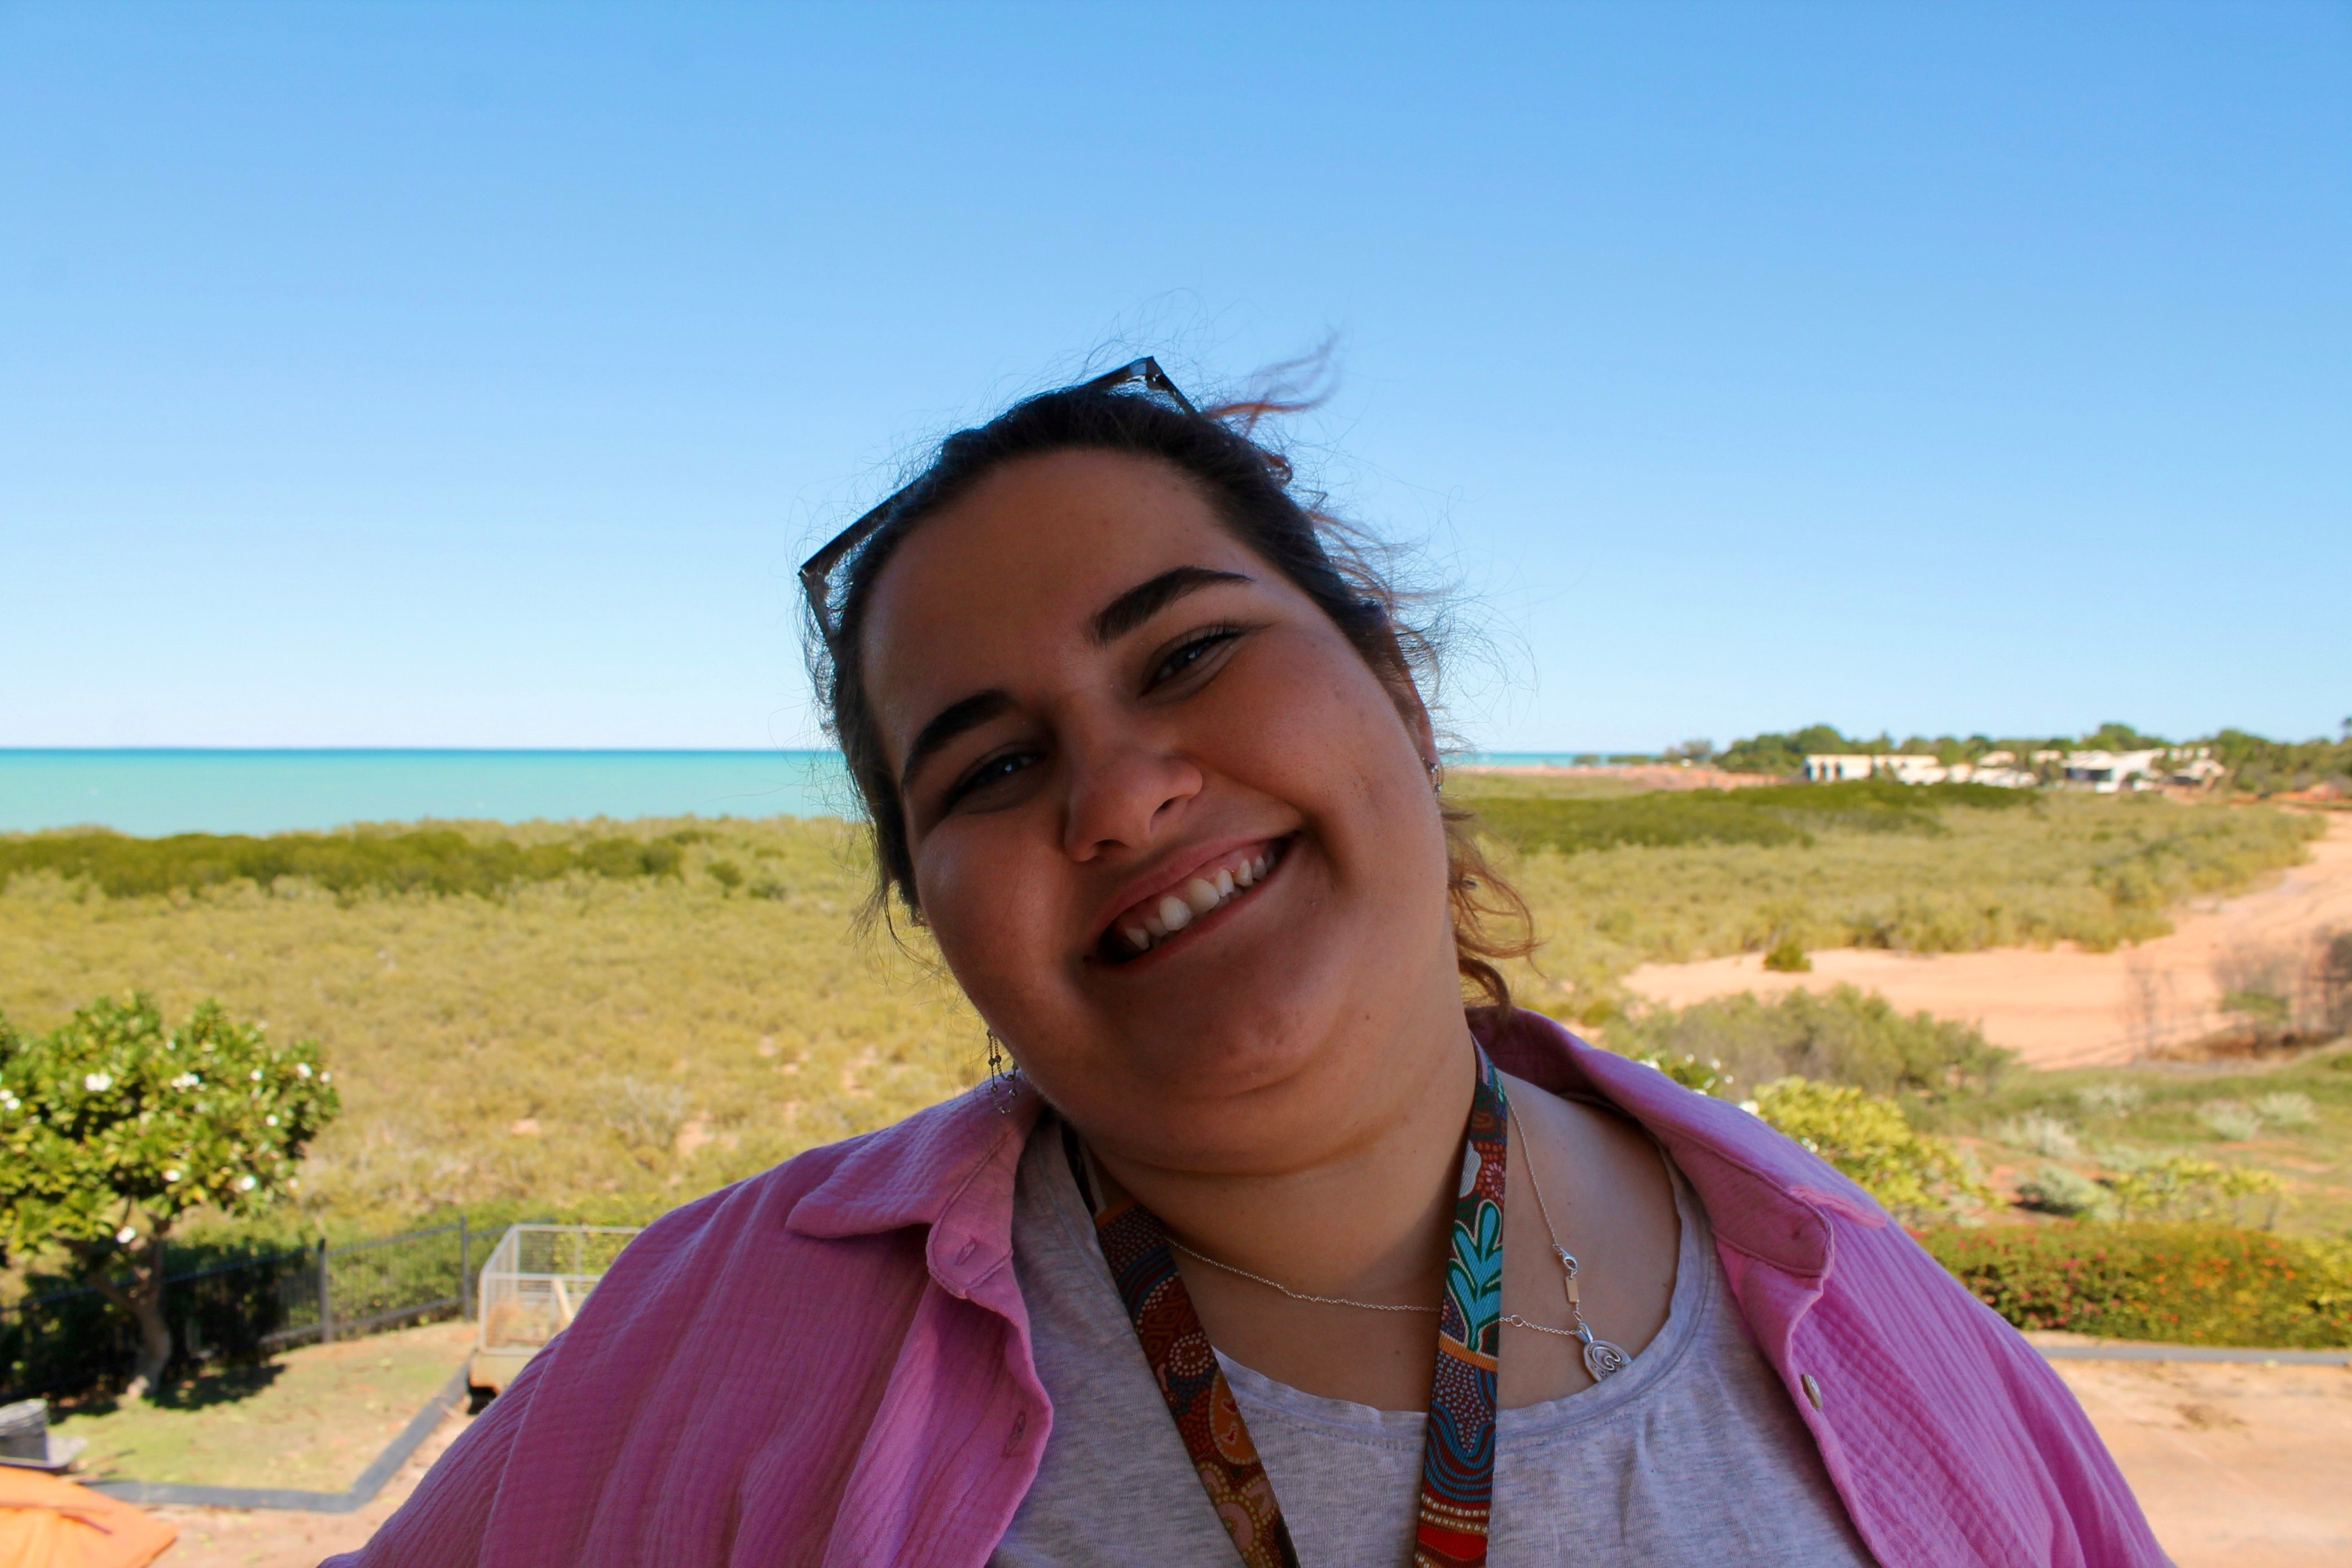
{"x": 1250, "y": 485}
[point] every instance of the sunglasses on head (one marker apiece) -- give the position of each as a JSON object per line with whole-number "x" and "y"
{"x": 816, "y": 571}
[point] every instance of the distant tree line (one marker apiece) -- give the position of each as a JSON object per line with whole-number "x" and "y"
{"x": 2256, "y": 763}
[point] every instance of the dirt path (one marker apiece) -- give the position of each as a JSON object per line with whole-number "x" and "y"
{"x": 2237, "y": 1466}
{"x": 2061, "y": 1006}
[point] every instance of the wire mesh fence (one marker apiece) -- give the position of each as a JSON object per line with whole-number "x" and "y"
{"x": 538, "y": 1274}
{"x": 240, "y": 1308}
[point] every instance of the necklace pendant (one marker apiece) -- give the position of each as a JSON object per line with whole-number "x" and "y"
{"x": 1604, "y": 1360}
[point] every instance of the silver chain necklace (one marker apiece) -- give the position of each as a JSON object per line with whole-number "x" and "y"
{"x": 1294, "y": 1295}
{"x": 1602, "y": 1359}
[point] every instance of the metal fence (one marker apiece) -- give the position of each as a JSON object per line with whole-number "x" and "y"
{"x": 239, "y": 1308}
{"x": 536, "y": 1277}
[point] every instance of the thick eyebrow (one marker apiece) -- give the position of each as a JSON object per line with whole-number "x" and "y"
{"x": 1147, "y": 599}
{"x": 947, "y": 723}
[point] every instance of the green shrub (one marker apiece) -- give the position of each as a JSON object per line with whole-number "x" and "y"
{"x": 427, "y": 860}
{"x": 2182, "y": 1187}
{"x": 1844, "y": 1036}
{"x": 1706, "y": 1076}
{"x": 2056, "y": 1189}
{"x": 1916, "y": 1175}
{"x": 1787, "y": 956}
{"x": 1659, "y": 819}
{"x": 2182, "y": 1284}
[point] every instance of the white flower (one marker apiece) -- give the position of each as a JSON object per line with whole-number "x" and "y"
{"x": 326, "y": 1078}
{"x": 246, "y": 1183}
{"x": 303, "y": 1069}
{"x": 97, "y": 1081}
{"x": 292, "y": 1185}
{"x": 187, "y": 1080}
{"x": 255, "y": 1075}
{"x": 271, "y": 1119}
{"x": 126, "y": 1235}
{"x": 171, "y": 1175}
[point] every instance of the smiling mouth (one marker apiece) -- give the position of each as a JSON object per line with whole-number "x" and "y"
{"x": 1154, "y": 921}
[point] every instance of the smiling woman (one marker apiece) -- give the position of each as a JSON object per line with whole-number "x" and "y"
{"x": 1285, "y": 1239}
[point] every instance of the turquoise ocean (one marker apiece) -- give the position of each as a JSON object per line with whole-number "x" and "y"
{"x": 156, "y": 792}
{"x": 192, "y": 791}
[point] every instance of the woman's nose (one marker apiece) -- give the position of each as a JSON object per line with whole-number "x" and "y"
{"x": 1122, "y": 794}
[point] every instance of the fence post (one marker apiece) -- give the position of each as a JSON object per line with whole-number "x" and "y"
{"x": 326, "y": 1299}
{"x": 465, "y": 1273}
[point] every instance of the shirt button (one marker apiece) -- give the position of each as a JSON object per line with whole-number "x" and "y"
{"x": 1812, "y": 1389}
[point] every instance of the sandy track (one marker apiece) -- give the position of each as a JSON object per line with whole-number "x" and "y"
{"x": 2237, "y": 1466}
{"x": 2061, "y": 1007}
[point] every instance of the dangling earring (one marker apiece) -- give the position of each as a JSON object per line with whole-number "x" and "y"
{"x": 1436, "y": 775}
{"x": 1001, "y": 1087}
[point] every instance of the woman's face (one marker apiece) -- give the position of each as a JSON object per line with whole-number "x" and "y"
{"x": 1174, "y": 837}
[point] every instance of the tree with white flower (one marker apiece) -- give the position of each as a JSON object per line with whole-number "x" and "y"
{"x": 113, "y": 1127}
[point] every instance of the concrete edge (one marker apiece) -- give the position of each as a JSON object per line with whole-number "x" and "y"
{"x": 363, "y": 1491}
{"x": 2195, "y": 1352}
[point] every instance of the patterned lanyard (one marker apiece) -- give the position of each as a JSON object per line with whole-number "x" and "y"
{"x": 1457, "y": 1460}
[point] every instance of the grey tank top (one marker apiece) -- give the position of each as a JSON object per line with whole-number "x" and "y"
{"x": 1690, "y": 1456}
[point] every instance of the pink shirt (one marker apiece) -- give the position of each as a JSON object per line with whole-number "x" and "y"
{"x": 829, "y": 1365}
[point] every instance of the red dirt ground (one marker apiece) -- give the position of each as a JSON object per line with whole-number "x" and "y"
{"x": 2061, "y": 1007}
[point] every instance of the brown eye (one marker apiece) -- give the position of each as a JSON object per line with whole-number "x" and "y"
{"x": 1190, "y": 654}
{"x": 994, "y": 771}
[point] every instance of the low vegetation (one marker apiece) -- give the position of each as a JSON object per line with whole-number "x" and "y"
{"x": 1674, "y": 876}
{"x": 1918, "y": 1176}
{"x": 586, "y": 1044}
{"x": 648, "y": 1021}
{"x": 2183, "y": 1284}
{"x": 426, "y": 860}
{"x": 1841, "y": 1036}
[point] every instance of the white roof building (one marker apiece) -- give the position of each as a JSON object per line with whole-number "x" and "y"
{"x": 2104, "y": 773}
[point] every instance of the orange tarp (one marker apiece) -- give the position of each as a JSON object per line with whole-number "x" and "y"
{"x": 49, "y": 1523}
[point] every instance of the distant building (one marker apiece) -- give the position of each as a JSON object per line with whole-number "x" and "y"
{"x": 1904, "y": 767}
{"x": 2105, "y": 773}
{"x": 2199, "y": 772}
{"x": 1914, "y": 768}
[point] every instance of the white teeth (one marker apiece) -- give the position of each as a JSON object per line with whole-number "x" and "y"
{"x": 1196, "y": 898}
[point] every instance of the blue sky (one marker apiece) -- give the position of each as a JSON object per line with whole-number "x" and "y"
{"x": 476, "y": 375}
